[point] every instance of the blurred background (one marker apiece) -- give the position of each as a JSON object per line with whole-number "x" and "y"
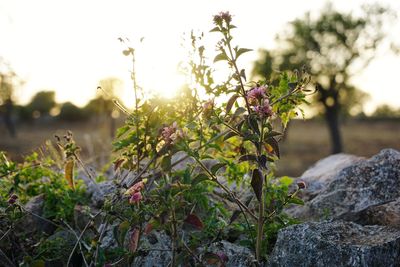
{"x": 54, "y": 56}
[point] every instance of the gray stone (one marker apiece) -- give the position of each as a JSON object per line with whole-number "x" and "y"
{"x": 336, "y": 244}
{"x": 322, "y": 173}
{"x": 100, "y": 191}
{"x": 237, "y": 256}
{"x": 366, "y": 183}
{"x": 156, "y": 250}
{"x": 33, "y": 221}
{"x": 383, "y": 214}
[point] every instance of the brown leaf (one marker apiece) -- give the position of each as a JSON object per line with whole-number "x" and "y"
{"x": 69, "y": 173}
{"x": 118, "y": 163}
{"x": 192, "y": 219}
{"x": 230, "y": 103}
{"x": 257, "y": 183}
{"x": 134, "y": 240}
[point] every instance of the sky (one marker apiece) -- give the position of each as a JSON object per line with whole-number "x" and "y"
{"x": 69, "y": 46}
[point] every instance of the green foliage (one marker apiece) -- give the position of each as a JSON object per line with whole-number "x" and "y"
{"x": 233, "y": 139}
{"x": 70, "y": 112}
{"x": 43, "y": 102}
{"x": 36, "y": 177}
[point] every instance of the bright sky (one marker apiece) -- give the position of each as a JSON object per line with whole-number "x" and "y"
{"x": 68, "y": 46}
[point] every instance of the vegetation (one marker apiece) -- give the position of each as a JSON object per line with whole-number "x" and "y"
{"x": 332, "y": 47}
{"x": 194, "y": 169}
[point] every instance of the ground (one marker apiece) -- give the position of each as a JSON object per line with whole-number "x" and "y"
{"x": 306, "y": 141}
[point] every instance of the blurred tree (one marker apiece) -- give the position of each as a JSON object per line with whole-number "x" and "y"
{"x": 104, "y": 103}
{"x": 386, "y": 112}
{"x": 43, "y": 102}
{"x": 8, "y": 83}
{"x": 70, "y": 112}
{"x": 332, "y": 47}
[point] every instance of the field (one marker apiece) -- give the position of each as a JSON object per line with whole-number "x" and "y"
{"x": 305, "y": 143}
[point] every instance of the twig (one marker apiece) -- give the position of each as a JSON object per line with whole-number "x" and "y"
{"x": 99, "y": 241}
{"x": 6, "y": 259}
{"x": 5, "y": 234}
{"x": 78, "y": 241}
{"x": 80, "y": 236}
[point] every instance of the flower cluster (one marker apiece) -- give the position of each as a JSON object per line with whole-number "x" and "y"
{"x": 208, "y": 108}
{"x": 171, "y": 134}
{"x": 13, "y": 198}
{"x": 221, "y": 17}
{"x": 135, "y": 192}
{"x": 257, "y": 98}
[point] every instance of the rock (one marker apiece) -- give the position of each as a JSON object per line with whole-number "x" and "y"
{"x": 31, "y": 223}
{"x": 366, "y": 183}
{"x": 100, "y": 191}
{"x": 60, "y": 245}
{"x": 322, "y": 173}
{"x": 336, "y": 244}
{"x": 383, "y": 214}
{"x": 180, "y": 161}
{"x": 236, "y": 256}
{"x": 155, "y": 250}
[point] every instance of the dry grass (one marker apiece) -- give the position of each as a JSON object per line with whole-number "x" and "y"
{"x": 306, "y": 142}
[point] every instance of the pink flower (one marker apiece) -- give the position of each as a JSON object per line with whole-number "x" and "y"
{"x": 221, "y": 17}
{"x": 208, "y": 108}
{"x": 256, "y": 94}
{"x": 171, "y": 133}
{"x": 136, "y": 198}
{"x": 264, "y": 110}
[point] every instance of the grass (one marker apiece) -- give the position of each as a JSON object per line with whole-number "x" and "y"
{"x": 306, "y": 141}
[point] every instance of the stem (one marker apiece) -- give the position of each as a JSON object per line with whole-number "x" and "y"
{"x": 135, "y": 87}
{"x": 173, "y": 240}
{"x": 260, "y": 227}
{"x": 233, "y": 61}
{"x": 260, "y": 222}
{"x": 214, "y": 178}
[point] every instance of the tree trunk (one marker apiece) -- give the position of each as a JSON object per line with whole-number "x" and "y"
{"x": 332, "y": 118}
{"x": 8, "y": 118}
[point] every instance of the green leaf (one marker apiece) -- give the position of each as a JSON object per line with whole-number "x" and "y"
{"x": 200, "y": 178}
{"x": 248, "y": 157}
{"x": 295, "y": 200}
{"x": 230, "y": 103}
{"x": 229, "y": 135}
{"x": 257, "y": 183}
{"x": 216, "y": 167}
{"x": 241, "y": 51}
{"x": 239, "y": 111}
{"x": 122, "y": 130}
{"x": 286, "y": 180}
{"x": 275, "y": 146}
{"x": 220, "y": 57}
{"x": 243, "y": 74}
{"x": 253, "y": 125}
{"x": 166, "y": 163}
{"x": 215, "y": 29}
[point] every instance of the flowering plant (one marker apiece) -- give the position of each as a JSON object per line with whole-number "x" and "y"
{"x": 233, "y": 142}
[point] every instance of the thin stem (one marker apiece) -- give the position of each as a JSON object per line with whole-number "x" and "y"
{"x": 135, "y": 88}
{"x": 80, "y": 237}
{"x": 173, "y": 239}
{"x": 214, "y": 178}
{"x": 260, "y": 222}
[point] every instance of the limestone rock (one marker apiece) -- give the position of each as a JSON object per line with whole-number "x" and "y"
{"x": 322, "y": 173}
{"x": 363, "y": 184}
{"x": 336, "y": 244}
{"x": 157, "y": 250}
{"x": 235, "y": 255}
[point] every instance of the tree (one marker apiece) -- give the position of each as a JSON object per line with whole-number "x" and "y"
{"x": 43, "y": 102}
{"x": 106, "y": 102}
{"x": 332, "y": 47}
{"x": 8, "y": 82}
